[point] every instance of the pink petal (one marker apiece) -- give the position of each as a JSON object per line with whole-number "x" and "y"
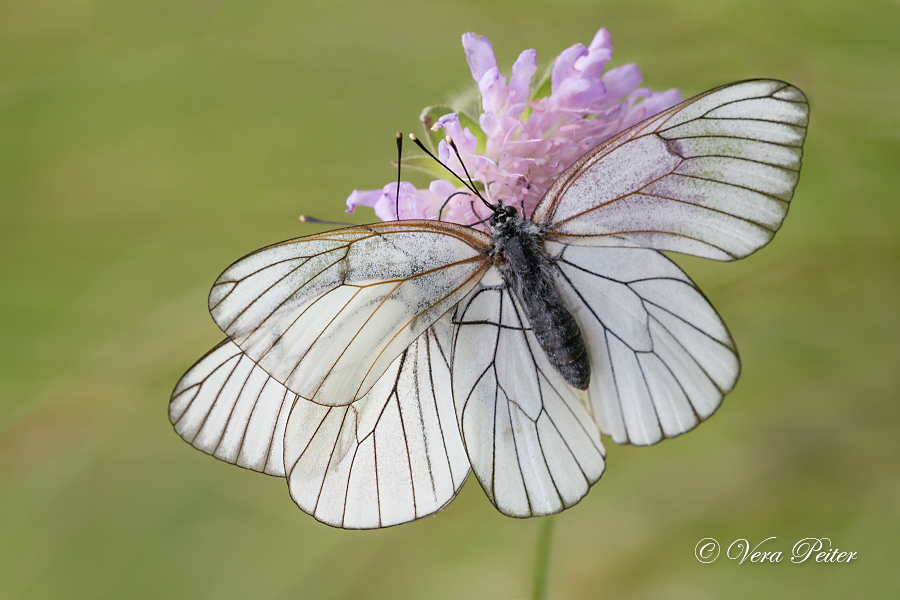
{"x": 362, "y": 198}
{"x": 493, "y": 91}
{"x": 645, "y": 103}
{"x": 479, "y": 54}
{"x": 602, "y": 40}
{"x": 522, "y": 72}
{"x": 490, "y": 125}
{"x": 620, "y": 81}
{"x": 443, "y": 189}
{"x": 563, "y": 67}
{"x": 592, "y": 64}
{"x": 657, "y": 102}
{"x": 578, "y": 94}
{"x": 450, "y": 124}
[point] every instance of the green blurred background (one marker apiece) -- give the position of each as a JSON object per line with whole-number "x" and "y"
{"x": 146, "y": 145}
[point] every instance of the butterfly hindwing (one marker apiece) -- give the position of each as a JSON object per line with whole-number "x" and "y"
{"x": 393, "y": 456}
{"x": 712, "y": 177}
{"x": 326, "y": 315}
{"x": 225, "y": 405}
{"x": 661, "y": 357}
{"x": 530, "y": 437}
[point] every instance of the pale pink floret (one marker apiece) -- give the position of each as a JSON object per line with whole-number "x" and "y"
{"x": 527, "y": 142}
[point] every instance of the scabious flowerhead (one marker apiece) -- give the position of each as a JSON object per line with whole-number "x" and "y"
{"x": 525, "y": 136}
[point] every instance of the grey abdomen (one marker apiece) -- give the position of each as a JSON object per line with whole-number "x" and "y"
{"x": 559, "y": 335}
{"x": 529, "y": 275}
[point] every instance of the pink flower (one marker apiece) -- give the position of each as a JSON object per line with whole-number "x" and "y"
{"x": 524, "y": 137}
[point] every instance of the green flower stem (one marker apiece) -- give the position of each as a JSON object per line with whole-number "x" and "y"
{"x": 542, "y": 560}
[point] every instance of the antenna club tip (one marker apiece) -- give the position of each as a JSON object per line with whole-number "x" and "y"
{"x": 413, "y": 137}
{"x": 399, "y": 135}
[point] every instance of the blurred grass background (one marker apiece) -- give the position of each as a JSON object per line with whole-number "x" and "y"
{"x": 146, "y": 145}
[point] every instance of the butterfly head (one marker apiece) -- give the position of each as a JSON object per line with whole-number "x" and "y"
{"x": 503, "y": 215}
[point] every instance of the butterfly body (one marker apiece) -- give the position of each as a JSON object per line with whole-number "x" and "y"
{"x": 528, "y": 272}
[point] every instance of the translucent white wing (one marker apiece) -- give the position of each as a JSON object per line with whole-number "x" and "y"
{"x": 661, "y": 357}
{"x": 393, "y": 456}
{"x": 530, "y": 437}
{"x": 327, "y": 314}
{"x": 225, "y": 405}
{"x": 711, "y": 177}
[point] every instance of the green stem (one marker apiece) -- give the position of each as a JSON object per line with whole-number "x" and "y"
{"x": 542, "y": 561}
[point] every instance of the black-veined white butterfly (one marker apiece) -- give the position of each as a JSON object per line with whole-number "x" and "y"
{"x": 374, "y": 366}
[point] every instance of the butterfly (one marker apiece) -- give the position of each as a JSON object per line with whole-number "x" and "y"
{"x": 374, "y": 367}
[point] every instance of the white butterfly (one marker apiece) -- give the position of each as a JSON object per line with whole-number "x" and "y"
{"x": 374, "y": 366}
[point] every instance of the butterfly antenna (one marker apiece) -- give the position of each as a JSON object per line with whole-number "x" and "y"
{"x": 468, "y": 184}
{"x": 315, "y": 221}
{"x": 447, "y": 201}
{"x": 452, "y": 144}
{"x": 484, "y": 220}
{"x": 399, "y": 150}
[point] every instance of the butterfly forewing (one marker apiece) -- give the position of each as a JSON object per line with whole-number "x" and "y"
{"x": 325, "y": 315}
{"x": 393, "y": 456}
{"x": 530, "y": 437}
{"x": 711, "y": 177}
{"x": 658, "y": 367}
